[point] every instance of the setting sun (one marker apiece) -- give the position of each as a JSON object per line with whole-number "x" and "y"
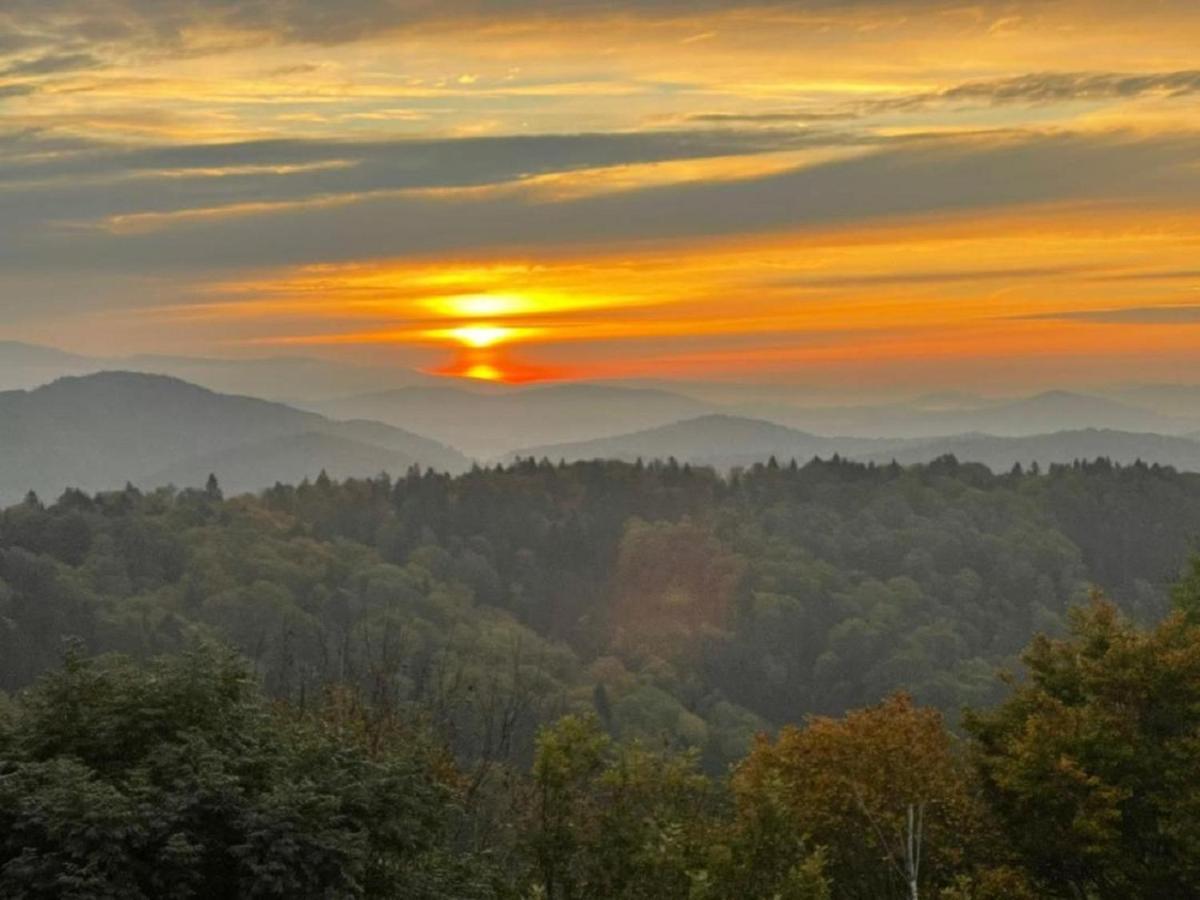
{"x": 484, "y": 372}
{"x": 607, "y": 443}
{"x": 472, "y": 305}
{"x": 480, "y": 335}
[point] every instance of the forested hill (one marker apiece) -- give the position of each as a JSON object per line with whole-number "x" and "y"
{"x": 675, "y": 603}
{"x": 100, "y": 431}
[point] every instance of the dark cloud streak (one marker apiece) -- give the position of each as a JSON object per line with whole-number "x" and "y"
{"x": 488, "y": 156}
{"x": 1036, "y": 88}
{"x": 1059, "y": 87}
{"x": 909, "y": 178}
{"x": 95, "y": 184}
{"x": 1134, "y": 315}
{"x": 166, "y": 22}
{"x": 52, "y": 64}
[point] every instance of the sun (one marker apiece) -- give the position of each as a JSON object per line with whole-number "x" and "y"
{"x": 480, "y": 335}
{"x": 484, "y": 372}
{"x": 480, "y": 305}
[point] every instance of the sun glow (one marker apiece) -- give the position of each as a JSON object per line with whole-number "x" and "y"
{"x": 484, "y": 372}
{"x": 890, "y": 295}
{"x": 480, "y": 336}
{"x": 476, "y": 305}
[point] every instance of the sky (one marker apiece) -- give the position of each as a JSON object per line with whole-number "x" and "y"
{"x": 886, "y": 194}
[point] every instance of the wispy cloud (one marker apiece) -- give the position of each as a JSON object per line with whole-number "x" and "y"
{"x": 1057, "y": 87}
{"x": 899, "y": 177}
{"x": 902, "y": 178}
{"x": 50, "y": 64}
{"x": 1141, "y": 315}
{"x": 1030, "y": 89}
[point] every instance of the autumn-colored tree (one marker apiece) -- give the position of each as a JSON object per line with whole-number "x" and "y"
{"x": 883, "y": 790}
{"x": 1093, "y": 764}
{"x": 613, "y": 822}
{"x": 675, "y": 581}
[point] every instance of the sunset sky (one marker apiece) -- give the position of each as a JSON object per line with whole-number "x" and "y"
{"x": 989, "y": 196}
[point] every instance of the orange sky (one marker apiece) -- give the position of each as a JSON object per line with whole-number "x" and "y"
{"x": 894, "y": 193}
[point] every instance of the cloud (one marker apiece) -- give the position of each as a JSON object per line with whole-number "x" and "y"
{"x": 1029, "y": 89}
{"x": 81, "y": 186}
{"x": 938, "y": 277}
{"x": 1165, "y": 275}
{"x": 904, "y": 178}
{"x": 1134, "y": 315}
{"x": 51, "y": 64}
{"x": 772, "y": 118}
{"x": 1057, "y": 87}
{"x": 325, "y": 22}
{"x": 16, "y": 90}
{"x": 417, "y": 162}
{"x": 12, "y": 41}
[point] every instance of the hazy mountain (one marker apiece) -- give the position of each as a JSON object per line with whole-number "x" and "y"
{"x": 294, "y": 378}
{"x": 24, "y": 366}
{"x": 1000, "y": 453}
{"x": 285, "y": 378}
{"x": 288, "y": 459}
{"x": 1169, "y": 399}
{"x": 489, "y": 420}
{"x": 1040, "y": 414}
{"x": 718, "y": 440}
{"x": 953, "y": 401}
{"x": 1062, "y": 411}
{"x": 492, "y": 421}
{"x": 99, "y": 431}
{"x": 726, "y": 441}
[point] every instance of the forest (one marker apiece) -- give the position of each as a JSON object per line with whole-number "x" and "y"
{"x": 608, "y": 680}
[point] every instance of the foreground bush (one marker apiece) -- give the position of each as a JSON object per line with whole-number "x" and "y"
{"x": 176, "y": 780}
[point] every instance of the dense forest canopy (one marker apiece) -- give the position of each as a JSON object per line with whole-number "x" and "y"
{"x": 663, "y": 616}
{"x": 673, "y": 602}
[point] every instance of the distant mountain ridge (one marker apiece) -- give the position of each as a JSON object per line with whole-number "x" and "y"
{"x": 1001, "y": 453}
{"x": 288, "y": 459}
{"x": 727, "y": 441}
{"x": 285, "y": 378}
{"x": 716, "y": 439}
{"x": 1042, "y": 413}
{"x": 100, "y": 431}
{"x": 489, "y": 421}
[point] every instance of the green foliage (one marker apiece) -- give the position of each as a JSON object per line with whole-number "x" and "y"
{"x": 729, "y": 605}
{"x": 1093, "y": 764}
{"x": 176, "y": 779}
{"x": 621, "y": 822}
{"x": 857, "y": 786}
{"x": 1186, "y": 592}
{"x": 419, "y": 636}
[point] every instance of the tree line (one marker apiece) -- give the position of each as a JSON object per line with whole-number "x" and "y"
{"x": 178, "y": 777}
{"x": 602, "y": 639}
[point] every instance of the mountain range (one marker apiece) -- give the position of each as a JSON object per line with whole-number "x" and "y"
{"x": 489, "y": 423}
{"x": 1039, "y": 414}
{"x": 727, "y": 441}
{"x": 100, "y": 431}
{"x": 284, "y": 378}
